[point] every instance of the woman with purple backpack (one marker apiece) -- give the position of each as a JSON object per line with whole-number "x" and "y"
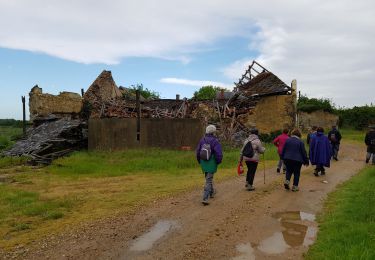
{"x": 209, "y": 155}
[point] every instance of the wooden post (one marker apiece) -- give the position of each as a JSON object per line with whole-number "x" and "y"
{"x": 24, "y": 115}
{"x": 138, "y": 105}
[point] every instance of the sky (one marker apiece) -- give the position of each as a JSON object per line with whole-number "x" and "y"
{"x": 174, "y": 47}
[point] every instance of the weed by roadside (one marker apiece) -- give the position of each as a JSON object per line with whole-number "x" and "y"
{"x": 347, "y": 226}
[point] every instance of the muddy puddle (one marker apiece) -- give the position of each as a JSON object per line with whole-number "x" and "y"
{"x": 298, "y": 229}
{"x": 246, "y": 252}
{"x": 147, "y": 240}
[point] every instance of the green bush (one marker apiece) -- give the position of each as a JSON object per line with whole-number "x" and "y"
{"x": 309, "y": 105}
{"x": 356, "y": 117}
{"x": 206, "y": 92}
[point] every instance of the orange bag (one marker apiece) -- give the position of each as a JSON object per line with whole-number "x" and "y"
{"x": 240, "y": 169}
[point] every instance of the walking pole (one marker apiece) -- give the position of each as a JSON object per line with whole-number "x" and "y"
{"x": 264, "y": 170}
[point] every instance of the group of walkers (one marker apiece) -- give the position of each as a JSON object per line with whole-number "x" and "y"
{"x": 291, "y": 150}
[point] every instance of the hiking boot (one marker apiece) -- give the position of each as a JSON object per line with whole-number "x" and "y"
{"x": 213, "y": 193}
{"x": 323, "y": 173}
{"x": 335, "y": 158}
{"x": 295, "y": 188}
{"x": 205, "y": 202}
{"x": 367, "y": 160}
{"x": 250, "y": 188}
{"x": 278, "y": 170}
{"x": 316, "y": 173}
{"x": 286, "y": 185}
{"x": 247, "y": 185}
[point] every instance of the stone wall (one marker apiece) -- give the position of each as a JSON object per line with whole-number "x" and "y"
{"x": 317, "y": 118}
{"x": 271, "y": 114}
{"x": 66, "y": 104}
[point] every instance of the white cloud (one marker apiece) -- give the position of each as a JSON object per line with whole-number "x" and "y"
{"x": 329, "y": 46}
{"x": 194, "y": 83}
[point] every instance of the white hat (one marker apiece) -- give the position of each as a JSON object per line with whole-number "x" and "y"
{"x": 210, "y": 129}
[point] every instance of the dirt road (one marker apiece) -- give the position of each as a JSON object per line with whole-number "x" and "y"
{"x": 268, "y": 223}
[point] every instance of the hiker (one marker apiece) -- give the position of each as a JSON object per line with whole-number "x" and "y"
{"x": 311, "y": 134}
{"x": 279, "y": 142}
{"x": 250, "y": 151}
{"x": 209, "y": 156}
{"x": 334, "y": 137}
{"x": 370, "y": 142}
{"x": 320, "y": 152}
{"x": 294, "y": 155}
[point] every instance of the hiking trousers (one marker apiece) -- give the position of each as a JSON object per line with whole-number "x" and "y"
{"x": 335, "y": 149}
{"x": 208, "y": 187}
{"x": 251, "y": 169}
{"x": 281, "y": 164}
{"x": 368, "y": 157}
{"x": 293, "y": 168}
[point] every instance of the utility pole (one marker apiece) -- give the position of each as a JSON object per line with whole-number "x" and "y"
{"x": 24, "y": 115}
{"x": 138, "y": 105}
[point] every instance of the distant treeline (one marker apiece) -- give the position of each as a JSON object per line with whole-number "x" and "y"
{"x": 356, "y": 117}
{"x": 11, "y": 122}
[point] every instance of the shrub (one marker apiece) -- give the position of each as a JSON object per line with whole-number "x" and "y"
{"x": 309, "y": 105}
{"x": 206, "y": 92}
{"x": 356, "y": 117}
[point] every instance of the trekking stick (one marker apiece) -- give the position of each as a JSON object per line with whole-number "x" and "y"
{"x": 264, "y": 170}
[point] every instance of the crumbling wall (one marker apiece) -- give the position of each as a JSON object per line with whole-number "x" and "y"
{"x": 66, "y": 104}
{"x": 317, "y": 118}
{"x": 271, "y": 114}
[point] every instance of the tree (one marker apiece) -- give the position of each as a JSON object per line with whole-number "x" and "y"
{"x": 145, "y": 92}
{"x": 309, "y": 105}
{"x": 207, "y": 92}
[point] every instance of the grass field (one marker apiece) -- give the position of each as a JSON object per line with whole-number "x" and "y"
{"x": 347, "y": 226}
{"x": 353, "y": 135}
{"x": 7, "y": 136}
{"x": 88, "y": 185}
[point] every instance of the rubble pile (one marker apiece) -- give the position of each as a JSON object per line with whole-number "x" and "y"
{"x": 51, "y": 140}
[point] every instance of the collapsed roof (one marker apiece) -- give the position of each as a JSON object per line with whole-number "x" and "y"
{"x": 103, "y": 89}
{"x": 258, "y": 81}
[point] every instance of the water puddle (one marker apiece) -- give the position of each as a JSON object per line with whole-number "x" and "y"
{"x": 247, "y": 252}
{"x": 147, "y": 240}
{"x": 275, "y": 244}
{"x": 298, "y": 229}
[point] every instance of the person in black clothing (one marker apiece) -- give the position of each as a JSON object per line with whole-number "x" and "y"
{"x": 294, "y": 155}
{"x": 370, "y": 142}
{"x": 334, "y": 137}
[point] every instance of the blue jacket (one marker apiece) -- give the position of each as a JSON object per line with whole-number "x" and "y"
{"x": 294, "y": 149}
{"x": 320, "y": 150}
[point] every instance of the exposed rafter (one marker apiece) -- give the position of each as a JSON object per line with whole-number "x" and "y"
{"x": 250, "y": 73}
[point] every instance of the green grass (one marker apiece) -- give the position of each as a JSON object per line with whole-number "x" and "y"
{"x": 8, "y": 135}
{"x": 347, "y": 226}
{"x": 153, "y": 160}
{"x": 89, "y": 185}
{"x": 353, "y": 135}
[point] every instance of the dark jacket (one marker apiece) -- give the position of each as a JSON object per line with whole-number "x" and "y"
{"x": 310, "y": 136}
{"x": 320, "y": 150}
{"x": 216, "y": 157}
{"x": 334, "y": 133}
{"x": 370, "y": 141}
{"x": 294, "y": 149}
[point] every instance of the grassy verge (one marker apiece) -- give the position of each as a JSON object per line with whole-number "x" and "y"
{"x": 353, "y": 135}
{"x": 7, "y": 136}
{"x": 90, "y": 185}
{"x": 347, "y": 226}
